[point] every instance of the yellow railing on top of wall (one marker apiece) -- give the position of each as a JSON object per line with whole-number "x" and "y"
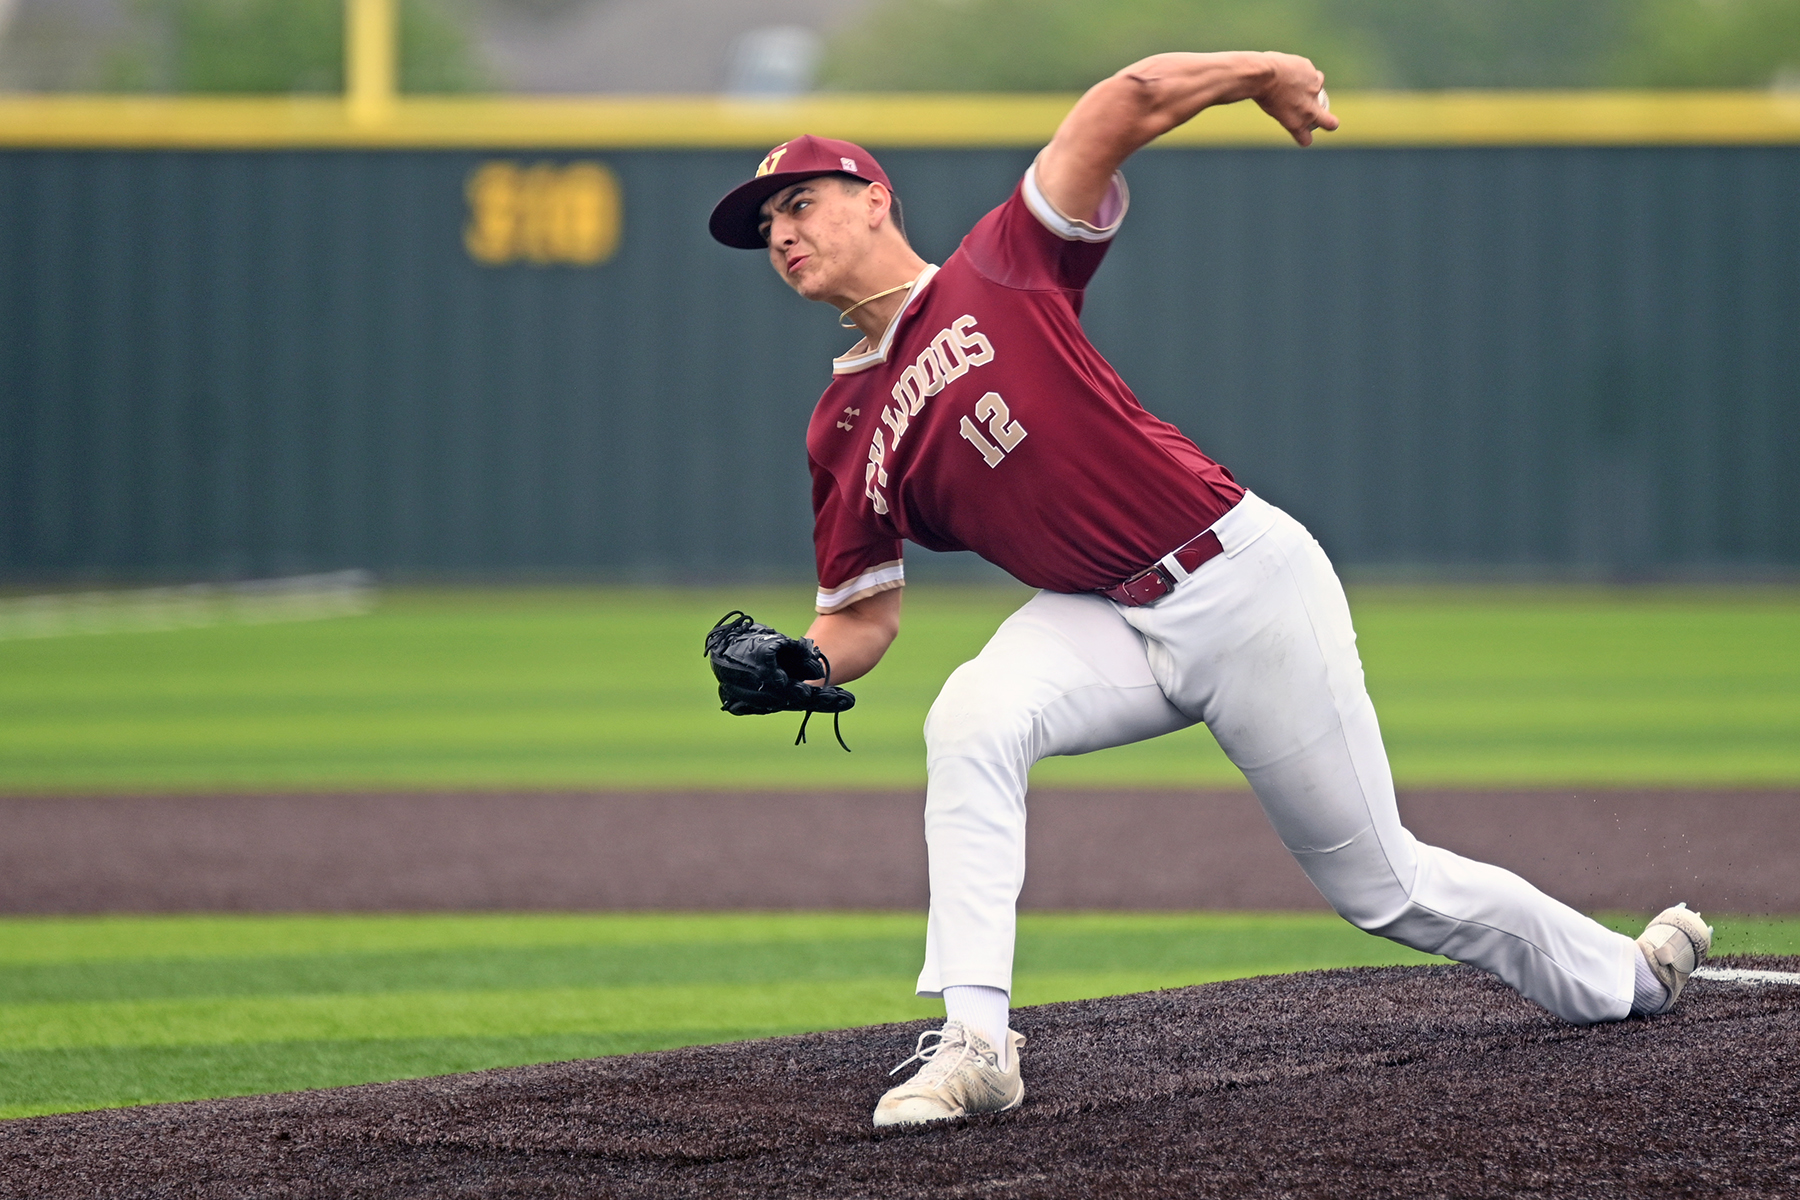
{"x": 372, "y": 120}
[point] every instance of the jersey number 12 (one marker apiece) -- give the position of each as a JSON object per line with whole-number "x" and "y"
{"x": 1006, "y": 431}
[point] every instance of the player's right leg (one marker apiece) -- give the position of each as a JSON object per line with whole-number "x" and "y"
{"x": 1063, "y": 675}
{"x": 1260, "y": 643}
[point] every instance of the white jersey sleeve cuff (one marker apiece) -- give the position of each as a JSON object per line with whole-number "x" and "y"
{"x": 879, "y": 578}
{"x": 1110, "y": 216}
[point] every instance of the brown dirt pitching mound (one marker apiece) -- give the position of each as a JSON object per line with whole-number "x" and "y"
{"x": 1374, "y": 1082}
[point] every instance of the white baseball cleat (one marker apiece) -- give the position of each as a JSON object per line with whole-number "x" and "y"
{"x": 961, "y": 1075}
{"x": 1675, "y": 943}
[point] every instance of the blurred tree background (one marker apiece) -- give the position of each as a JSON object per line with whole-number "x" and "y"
{"x": 275, "y": 46}
{"x": 1065, "y": 45}
{"x": 278, "y": 46}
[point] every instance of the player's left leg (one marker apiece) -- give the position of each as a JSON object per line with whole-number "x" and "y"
{"x": 1063, "y": 675}
{"x": 1259, "y": 643}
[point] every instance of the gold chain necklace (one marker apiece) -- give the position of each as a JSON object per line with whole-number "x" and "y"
{"x": 843, "y": 324}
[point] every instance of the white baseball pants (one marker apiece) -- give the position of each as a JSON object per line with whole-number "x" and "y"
{"x": 1258, "y": 644}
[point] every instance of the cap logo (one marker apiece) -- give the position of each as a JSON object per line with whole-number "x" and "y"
{"x": 772, "y": 161}
{"x": 849, "y": 164}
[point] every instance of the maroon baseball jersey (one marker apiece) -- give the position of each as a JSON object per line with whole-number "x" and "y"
{"x": 986, "y": 421}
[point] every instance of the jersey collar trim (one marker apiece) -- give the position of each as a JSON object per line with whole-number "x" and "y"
{"x": 849, "y": 364}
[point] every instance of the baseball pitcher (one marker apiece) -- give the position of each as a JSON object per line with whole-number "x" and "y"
{"x": 974, "y": 414}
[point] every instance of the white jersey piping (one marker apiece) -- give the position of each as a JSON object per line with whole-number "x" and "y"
{"x": 878, "y": 578}
{"x": 1111, "y": 214}
{"x": 849, "y": 364}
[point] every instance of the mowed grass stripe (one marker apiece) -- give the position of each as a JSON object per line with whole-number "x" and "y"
{"x": 460, "y": 970}
{"x": 173, "y": 938}
{"x": 236, "y": 1020}
{"x": 606, "y": 688}
{"x": 615, "y": 951}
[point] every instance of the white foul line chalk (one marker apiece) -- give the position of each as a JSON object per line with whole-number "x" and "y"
{"x": 1740, "y": 975}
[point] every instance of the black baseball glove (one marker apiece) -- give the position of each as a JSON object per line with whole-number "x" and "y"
{"x": 761, "y": 670}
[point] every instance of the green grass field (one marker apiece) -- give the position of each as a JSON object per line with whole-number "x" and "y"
{"x": 128, "y": 1010}
{"x": 607, "y": 688}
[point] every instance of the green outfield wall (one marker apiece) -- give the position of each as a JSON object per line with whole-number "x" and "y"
{"x": 457, "y": 360}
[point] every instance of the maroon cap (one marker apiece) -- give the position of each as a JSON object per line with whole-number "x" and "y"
{"x": 736, "y": 219}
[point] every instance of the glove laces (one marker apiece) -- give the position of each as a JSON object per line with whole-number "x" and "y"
{"x": 733, "y": 621}
{"x": 800, "y": 738}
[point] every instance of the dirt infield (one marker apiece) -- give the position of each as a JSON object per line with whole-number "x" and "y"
{"x": 1431, "y": 1081}
{"x": 1725, "y": 851}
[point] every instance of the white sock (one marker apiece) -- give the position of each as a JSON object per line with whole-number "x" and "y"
{"x": 981, "y": 1010}
{"x": 1648, "y": 993}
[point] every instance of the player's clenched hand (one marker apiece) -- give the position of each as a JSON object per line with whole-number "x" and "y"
{"x": 1295, "y": 96}
{"x": 761, "y": 670}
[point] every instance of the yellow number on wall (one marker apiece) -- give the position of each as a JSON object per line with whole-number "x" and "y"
{"x": 493, "y": 192}
{"x": 545, "y": 213}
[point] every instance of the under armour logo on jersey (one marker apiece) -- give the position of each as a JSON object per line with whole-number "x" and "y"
{"x": 849, "y": 412}
{"x": 772, "y": 161}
